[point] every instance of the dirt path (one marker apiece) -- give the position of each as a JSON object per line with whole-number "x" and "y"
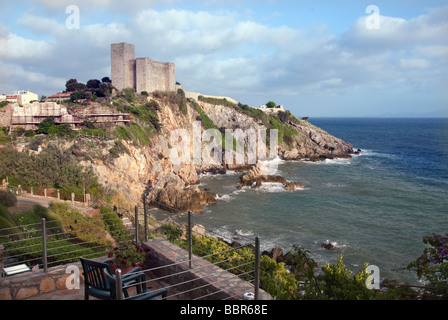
{"x": 25, "y": 203}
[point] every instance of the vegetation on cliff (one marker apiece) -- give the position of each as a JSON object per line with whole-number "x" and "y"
{"x": 54, "y": 167}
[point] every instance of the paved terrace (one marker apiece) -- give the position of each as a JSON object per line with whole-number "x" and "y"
{"x": 168, "y": 265}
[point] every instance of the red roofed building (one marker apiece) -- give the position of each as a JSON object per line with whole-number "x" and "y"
{"x": 58, "y": 97}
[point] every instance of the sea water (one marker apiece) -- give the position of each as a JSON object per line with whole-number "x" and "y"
{"x": 375, "y": 207}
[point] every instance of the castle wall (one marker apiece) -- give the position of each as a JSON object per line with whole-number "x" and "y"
{"x": 154, "y": 75}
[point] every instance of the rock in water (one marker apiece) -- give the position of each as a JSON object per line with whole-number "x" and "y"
{"x": 260, "y": 173}
{"x": 170, "y": 193}
{"x": 329, "y": 246}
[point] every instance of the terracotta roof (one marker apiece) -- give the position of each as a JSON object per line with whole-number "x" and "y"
{"x": 60, "y": 95}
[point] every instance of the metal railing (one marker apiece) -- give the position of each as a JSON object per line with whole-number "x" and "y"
{"x": 56, "y": 242}
{"x": 60, "y": 241}
{"x": 241, "y": 259}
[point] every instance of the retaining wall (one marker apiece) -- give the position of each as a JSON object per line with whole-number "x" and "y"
{"x": 34, "y": 283}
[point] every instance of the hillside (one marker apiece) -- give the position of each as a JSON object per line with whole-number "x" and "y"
{"x": 139, "y": 156}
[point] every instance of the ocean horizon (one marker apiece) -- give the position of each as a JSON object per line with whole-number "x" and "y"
{"x": 374, "y": 208}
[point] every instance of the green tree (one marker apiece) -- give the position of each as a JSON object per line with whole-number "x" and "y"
{"x": 103, "y": 90}
{"x": 271, "y": 104}
{"x": 29, "y": 133}
{"x": 93, "y": 83}
{"x": 49, "y": 126}
{"x": 77, "y": 95}
{"x": 45, "y": 125}
{"x": 73, "y": 85}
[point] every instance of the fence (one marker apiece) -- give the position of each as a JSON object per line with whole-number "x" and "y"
{"x": 59, "y": 241}
{"x": 192, "y": 268}
{"x": 52, "y": 194}
{"x": 53, "y": 242}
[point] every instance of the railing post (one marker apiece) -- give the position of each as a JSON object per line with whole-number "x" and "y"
{"x": 257, "y": 268}
{"x": 136, "y": 226}
{"x": 118, "y": 285}
{"x": 145, "y": 215}
{"x": 44, "y": 245}
{"x": 190, "y": 240}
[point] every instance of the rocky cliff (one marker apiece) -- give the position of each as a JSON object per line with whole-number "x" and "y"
{"x": 151, "y": 168}
{"x": 140, "y": 157}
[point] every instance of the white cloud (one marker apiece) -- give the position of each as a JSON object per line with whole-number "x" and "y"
{"x": 106, "y": 5}
{"x": 16, "y": 47}
{"x": 222, "y": 53}
{"x": 432, "y": 51}
{"x": 40, "y": 25}
{"x": 414, "y": 63}
{"x": 14, "y": 77}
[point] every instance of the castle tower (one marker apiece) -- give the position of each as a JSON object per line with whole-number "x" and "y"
{"x": 123, "y": 65}
{"x": 141, "y": 74}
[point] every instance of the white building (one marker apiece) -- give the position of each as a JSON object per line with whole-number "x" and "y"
{"x": 21, "y": 97}
{"x": 266, "y": 109}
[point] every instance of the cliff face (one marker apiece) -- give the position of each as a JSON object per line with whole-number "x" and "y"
{"x": 140, "y": 156}
{"x": 316, "y": 145}
{"x": 153, "y": 169}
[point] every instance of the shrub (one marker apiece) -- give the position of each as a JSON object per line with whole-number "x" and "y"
{"x": 5, "y": 213}
{"x": 118, "y": 149}
{"x": 8, "y": 230}
{"x": 48, "y": 126}
{"x": 138, "y": 134}
{"x": 128, "y": 256}
{"x": 216, "y": 101}
{"x": 271, "y": 104}
{"x": 29, "y": 223}
{"x": 237, "y": 261}
{"x": 3, "y": 104}
{"x": 29, "y": 133}
{"x": 206, "y": 121}
{"x": 7, "y": 199}
{"x": 432, "y": 265}
{"x": 4, "y": 137}
{"x": 90, "y": 231}
{"x": 77, "y": 95}
{"x": 113, "y": 223}
{"x": 129, "y": 94}
{"x": 276, "y": 280}
{"x": 53, "y": 222}
{"x": 153, "y": 105}
{"x": 338, "y": 283}
{"x": 172, "y": 232}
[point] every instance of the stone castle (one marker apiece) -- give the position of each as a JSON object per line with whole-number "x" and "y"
{"x": 141, "y": 74}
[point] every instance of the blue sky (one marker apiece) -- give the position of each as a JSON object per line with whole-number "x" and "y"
{"x": 317, "y": 58}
